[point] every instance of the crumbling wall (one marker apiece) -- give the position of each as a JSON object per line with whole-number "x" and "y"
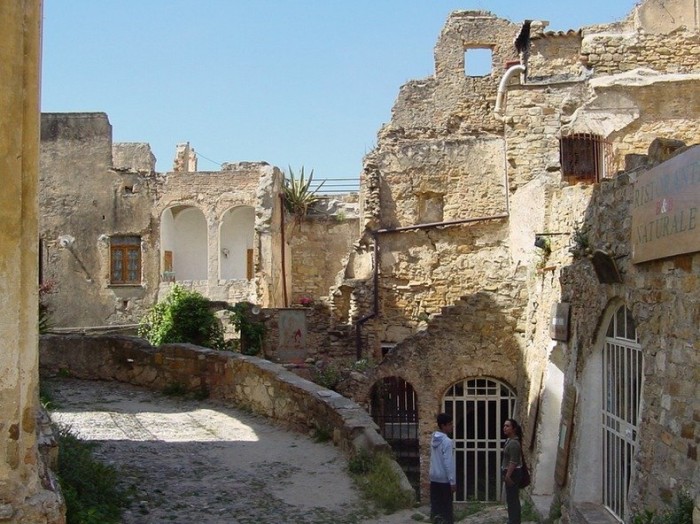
{"x": 83, "y": 202}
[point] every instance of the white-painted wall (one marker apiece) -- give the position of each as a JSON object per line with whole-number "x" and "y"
{"x": 190, "y": 253}
{"x": 236, "y": 237}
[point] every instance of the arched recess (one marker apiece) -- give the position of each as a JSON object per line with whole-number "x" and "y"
{"x": 236, "y": 241}
{"x": 183, "y": 244}
{"x": 479, "y": 406}
{"x": 394, "y": 407}
{"x": 611, "y": 396}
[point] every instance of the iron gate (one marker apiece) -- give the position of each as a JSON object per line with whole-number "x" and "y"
{"x": 479, "y": 407}
{"x": 622, "y": 388}
{"x": 395, "y": 410}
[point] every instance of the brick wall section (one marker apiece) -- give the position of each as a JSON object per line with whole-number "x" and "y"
{"x": 242, "y": 381}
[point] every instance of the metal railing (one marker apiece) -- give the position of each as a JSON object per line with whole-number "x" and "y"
{"x": 332, "y": 186}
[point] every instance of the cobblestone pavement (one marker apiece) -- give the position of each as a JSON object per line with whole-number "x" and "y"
{"x": 197, "y": 461}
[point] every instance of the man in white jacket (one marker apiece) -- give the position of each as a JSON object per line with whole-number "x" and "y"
{"x": 443, "y": 482}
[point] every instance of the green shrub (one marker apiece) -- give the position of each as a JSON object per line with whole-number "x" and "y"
{"x": 184, "y": 316}
{"x": 379, "y": 482}
{"x": 89, "y": 487}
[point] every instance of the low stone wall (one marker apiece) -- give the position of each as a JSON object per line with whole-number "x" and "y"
{"x": 242, "y": 381}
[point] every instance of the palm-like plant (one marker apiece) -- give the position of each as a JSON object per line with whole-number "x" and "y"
{"x": 298, "y": 195}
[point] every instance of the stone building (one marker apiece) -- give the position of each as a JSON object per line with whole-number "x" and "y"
{"x": 497, "y": 274}
{"x": 115, "y": 234}
{"x": 28, "y": 491}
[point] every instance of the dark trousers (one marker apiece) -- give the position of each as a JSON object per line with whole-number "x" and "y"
{"x": 441, "y": 503}
{"x": 513, "y": 498}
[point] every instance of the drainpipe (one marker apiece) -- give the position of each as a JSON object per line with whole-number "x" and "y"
{"x": 502, "y": 86}
{"x": 283, "y": 262}
{"x": 375, "y": 276}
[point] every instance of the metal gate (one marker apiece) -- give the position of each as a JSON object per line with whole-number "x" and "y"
{"x": 395, "y": 410}
{"x": 479, "y": 407}
{"x": 622, "y": 389}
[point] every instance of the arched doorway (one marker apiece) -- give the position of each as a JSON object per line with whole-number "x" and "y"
{"x": 394, "y": 408}
{"x": 623, "y": 365}
{"x": 479, "y": 406}
{"x": 611, "y": 393}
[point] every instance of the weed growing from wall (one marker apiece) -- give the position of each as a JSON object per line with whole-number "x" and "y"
{"x": 298, "y": 195}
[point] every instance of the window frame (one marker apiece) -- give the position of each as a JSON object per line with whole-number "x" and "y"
{"x": 125, "y": 244}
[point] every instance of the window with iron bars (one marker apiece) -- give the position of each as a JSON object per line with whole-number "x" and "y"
{"x": 585, "y": 157}
{"x": 125, "y": 260}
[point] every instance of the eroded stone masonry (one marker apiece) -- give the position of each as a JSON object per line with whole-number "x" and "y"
{"x": 498, "y": 260}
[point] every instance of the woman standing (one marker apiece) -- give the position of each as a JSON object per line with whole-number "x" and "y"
{"x": 510, "y": 467}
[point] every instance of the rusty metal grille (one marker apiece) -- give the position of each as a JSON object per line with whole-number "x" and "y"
{"x": 585, "y": 157}
{"x": 394, "y": 408}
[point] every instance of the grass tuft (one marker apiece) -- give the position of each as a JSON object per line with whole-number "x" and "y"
{"x": 89, "y": 486}
{"x": 378, "y": 481}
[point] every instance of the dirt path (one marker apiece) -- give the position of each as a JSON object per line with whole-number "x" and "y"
{"x": 199, "y": 462}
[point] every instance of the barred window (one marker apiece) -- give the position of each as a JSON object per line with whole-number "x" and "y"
{"x": 125, "y": 256}
{"x": 585, "y": 157}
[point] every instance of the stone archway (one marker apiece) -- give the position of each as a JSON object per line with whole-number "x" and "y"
{"x": 479, "y": 406}
{"x": 184, "y": 244}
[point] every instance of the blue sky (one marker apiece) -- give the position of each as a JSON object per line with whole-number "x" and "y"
{"x": 290, "y": 82}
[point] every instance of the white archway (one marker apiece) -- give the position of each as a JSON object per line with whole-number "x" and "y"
{"x": 183, "y": 241}
{"x": 236, "y": 241}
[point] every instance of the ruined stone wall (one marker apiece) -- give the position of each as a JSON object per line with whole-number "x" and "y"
{"x": 675, "y": 52}
{"x": 460, "y": 104}
{"x": 92, "y": 190}
{"x": 83, "y": 202}
{"x": 27, "y": 488}
{"x": 319, "y": 248}
{"x": 214, "y": 193}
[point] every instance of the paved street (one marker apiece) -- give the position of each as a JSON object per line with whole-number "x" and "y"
{"x": 197, "y": 461}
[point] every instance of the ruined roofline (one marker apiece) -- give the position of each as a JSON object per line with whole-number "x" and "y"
{"x": 75, "y": 126}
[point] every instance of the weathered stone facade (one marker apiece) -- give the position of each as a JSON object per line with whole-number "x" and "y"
{"x": 468, "y": 174}
{"x": 28, "y": 491}
{"x": 215, "y": 232}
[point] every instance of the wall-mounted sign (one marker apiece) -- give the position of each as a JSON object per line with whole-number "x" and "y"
{"x": 665, "y": 209}
{"x": 292, "y": 336}
{"x": 559, "y": 323}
